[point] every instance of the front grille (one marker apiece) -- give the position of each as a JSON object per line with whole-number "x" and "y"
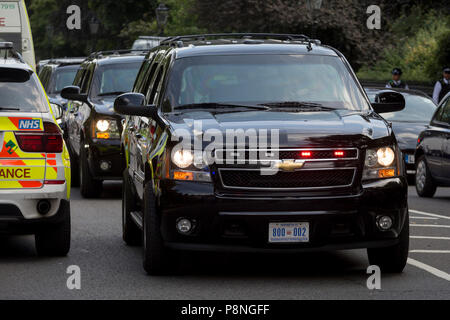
{"x": 303, "y": 179}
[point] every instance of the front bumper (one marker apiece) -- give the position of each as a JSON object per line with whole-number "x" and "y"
{"x": 240, "y": 224}
{"x": 105, "y": 151}
{"x": 18, "y": 208}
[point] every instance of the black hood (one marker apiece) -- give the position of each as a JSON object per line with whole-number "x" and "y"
{"x": 407, "y": 133}
{"x": 105, "y": 106}
{"x": 297, "y": 129}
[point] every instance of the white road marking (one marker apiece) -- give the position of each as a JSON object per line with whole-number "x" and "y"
{"x": 430, "y": 269}
{"x": 429, "y": 251}
{"x": 428, "y": 225}
{"x": 424, "y": 218}
{"x": 431, "y": 238}
{"x": 429, "y": 214}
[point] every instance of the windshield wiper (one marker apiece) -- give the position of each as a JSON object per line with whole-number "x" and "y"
{"x": 213, "y": 105}
{"x": 114, "y": 93}
{"x": 9, "y": 109}
{"x": 299, "y": 105}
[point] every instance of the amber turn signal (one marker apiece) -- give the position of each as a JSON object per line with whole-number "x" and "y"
{"x": 386, "y": 173}
{"x": 186, "y": 176}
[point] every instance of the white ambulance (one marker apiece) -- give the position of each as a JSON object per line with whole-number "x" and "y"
{"x": 15, "y": 27}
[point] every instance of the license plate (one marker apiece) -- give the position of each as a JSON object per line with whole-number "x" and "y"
{"x": 410, "y": 159}
{"x": 287, "y": 232}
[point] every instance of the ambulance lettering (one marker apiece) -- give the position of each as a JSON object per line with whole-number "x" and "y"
{"x": 12, "y": 173}
{"x": 33, "y": 124}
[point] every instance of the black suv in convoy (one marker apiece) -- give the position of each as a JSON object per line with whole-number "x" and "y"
{"x": 433, "y": 152}
{"x": 57, "y": 74}
{"x": 325, "y": 171}
{"x": 93, "y": 129}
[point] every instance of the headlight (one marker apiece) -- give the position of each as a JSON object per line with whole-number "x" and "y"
{"x": 386, "y": 156}
{"x": 182, "y": 158}
{"x": 380, "y": 163}
{"x": 103, "y": 125}
{"x": 106, "y": 129}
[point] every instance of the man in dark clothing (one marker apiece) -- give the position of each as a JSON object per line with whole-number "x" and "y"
{"x": 442, "y": 87}
{"x": 396, "y": 81}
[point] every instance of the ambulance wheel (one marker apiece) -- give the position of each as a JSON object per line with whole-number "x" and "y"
{"x": 89, "y": 187}
{"x": 54, "y": 240}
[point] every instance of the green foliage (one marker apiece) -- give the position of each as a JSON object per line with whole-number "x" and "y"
{"x": 419, "y": 48}
{"x": 182, "y": 20}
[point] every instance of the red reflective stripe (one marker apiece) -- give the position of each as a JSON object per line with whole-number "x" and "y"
{"x": 31, "y": 184}
{"x": 54, "y": 182}
{"x": 12, "y": 163}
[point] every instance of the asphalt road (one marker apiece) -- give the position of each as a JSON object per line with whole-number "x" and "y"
{"x": 111, "y": 270}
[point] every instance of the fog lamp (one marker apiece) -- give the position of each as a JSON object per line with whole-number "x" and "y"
{"x": 385, "y": 223}
{"x": 184, "y": 226}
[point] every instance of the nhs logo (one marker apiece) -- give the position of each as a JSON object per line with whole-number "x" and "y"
{"x": 29, "y": 124}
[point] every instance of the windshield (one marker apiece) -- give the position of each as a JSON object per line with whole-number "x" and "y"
{"x": 25, "y": 96}
{"x": 417, "y": 109}
{"x": 63, "y": 77}
{"x": 260, "y": 79}
{"x": 113, "y": 79}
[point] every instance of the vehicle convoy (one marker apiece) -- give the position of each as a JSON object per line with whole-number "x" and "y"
{"x": 408, "y": 123}
{"x": 433, "y": 152}
{"x": 15, "y": 28}
{"x": 334, "y": 178}
{"x": 93, "y": 129}
{"x": 34, "y": 162}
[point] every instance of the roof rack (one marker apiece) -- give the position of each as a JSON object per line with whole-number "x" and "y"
{"x": 178, "y": 40}
{"x": 101, "y": 54}
{"x": 10, "y": 52}
{"x": 151, "y": 38}
{"x": 66, "y": 60}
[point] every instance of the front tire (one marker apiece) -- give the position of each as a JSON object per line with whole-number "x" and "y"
{"x": 158, "y": 259}
{"x": 131, "y": 233}
{"x": 425, "y": 185}
{"x": 54, "y": 240}
{"x": 392, "y": 259}
{"x": 89, "y": 187}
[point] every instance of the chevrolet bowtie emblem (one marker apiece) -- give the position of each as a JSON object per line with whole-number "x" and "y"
{"x": 290, "y": 165}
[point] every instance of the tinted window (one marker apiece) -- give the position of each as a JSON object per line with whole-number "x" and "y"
{"x": 445, "y": 114}
{"x": 417, "y": 109}
{"x": 62, "y": 78}
{"x": 264, "y": 79}
{"x": 113, "y": 79}
{"x": 23, "y": 96}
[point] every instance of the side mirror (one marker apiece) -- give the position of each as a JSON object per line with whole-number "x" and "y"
{"x": 389, "y": 101}
{"x": 73, "y": 93}
{"x": 133, "y": 104}
{"x": 57, "y": 111}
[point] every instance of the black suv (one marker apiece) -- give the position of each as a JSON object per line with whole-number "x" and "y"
{"x": 259, "y": 143}
{"x": 57, "y": 74}
{"x": 433, "y": 152}
{"x": 93, "y": 128}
